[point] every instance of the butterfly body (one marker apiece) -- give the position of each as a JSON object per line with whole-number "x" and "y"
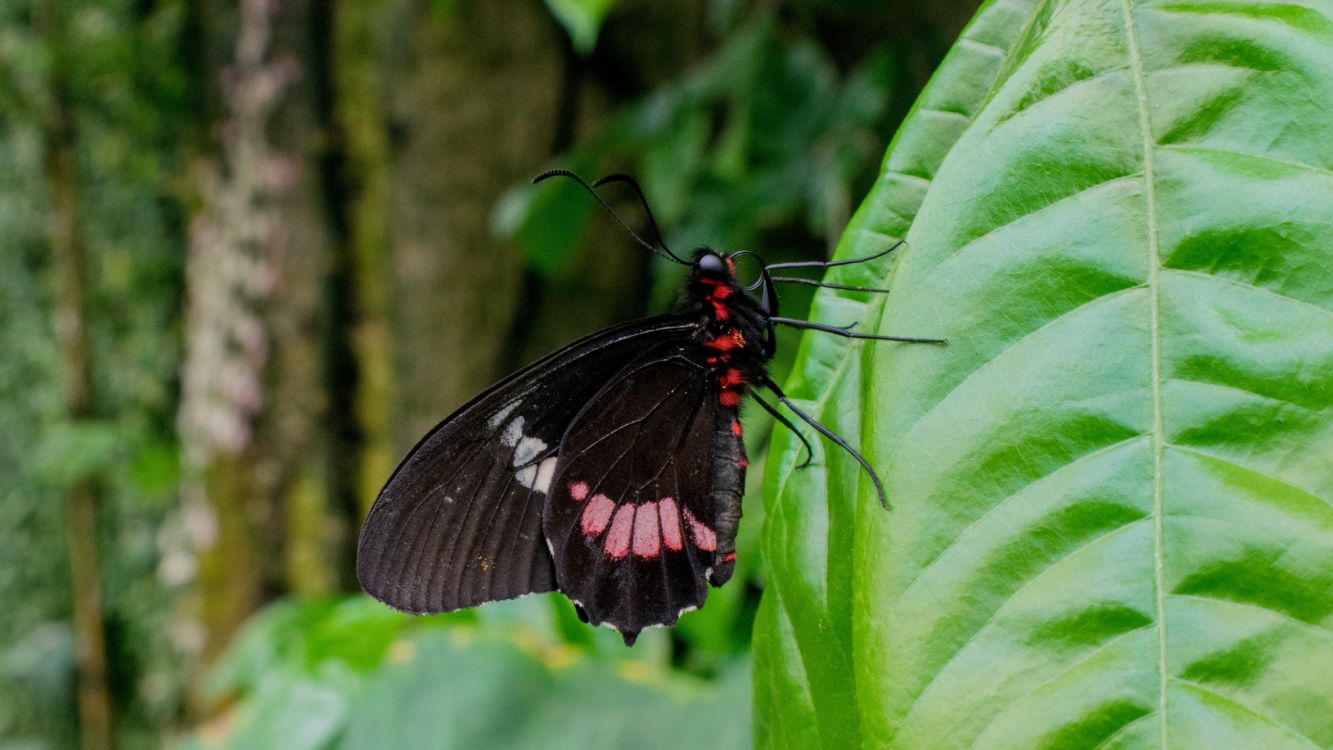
{"x": 612, "y": 471}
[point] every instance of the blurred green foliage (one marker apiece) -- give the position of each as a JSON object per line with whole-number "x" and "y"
{"x": 352, "y": 674}
{"x": 582, "y": 20}
{"x": 763, "y": 136}
{"x": 130, "y": 100}
{"x": 763, "y": 144}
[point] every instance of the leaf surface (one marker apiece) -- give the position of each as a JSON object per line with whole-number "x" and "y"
{"x": 1113, "y": 490}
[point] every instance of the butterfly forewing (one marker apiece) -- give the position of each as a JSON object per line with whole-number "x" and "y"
{"x": 631, "y": 516}
{"x": 460, "y": 520}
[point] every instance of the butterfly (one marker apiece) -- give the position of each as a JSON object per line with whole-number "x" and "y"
{"x": 611, "y": 470}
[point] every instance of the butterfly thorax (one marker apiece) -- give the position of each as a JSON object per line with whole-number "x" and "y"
{"x": 732, "y": 326}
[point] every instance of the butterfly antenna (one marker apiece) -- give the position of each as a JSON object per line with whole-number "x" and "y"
{"x": 566, "y": 173}
{"x": 643, "y": 201}
{"x": 809, "y": 454}
{"x": 826, "y": 432}
{"x": 832, "y": 263}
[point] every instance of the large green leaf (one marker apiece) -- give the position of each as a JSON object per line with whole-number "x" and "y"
{"x": 1113, "y": 490}
{"x": 805, "y": 688}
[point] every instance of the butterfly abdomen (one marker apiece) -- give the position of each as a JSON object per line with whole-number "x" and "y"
{"x": 729, "y": 465}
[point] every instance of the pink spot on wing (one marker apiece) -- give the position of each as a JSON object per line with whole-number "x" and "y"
{"x": 597, "y": 515}
{"x": 703, "y": 537}
{"x": 578, "y": 490}
{"x": 647, "y": 540}
{"x": 618, "y": 538}
{"x": 670, "y": 516}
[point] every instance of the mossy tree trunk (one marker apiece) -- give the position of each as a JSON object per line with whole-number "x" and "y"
{"x": 70, "y": 321}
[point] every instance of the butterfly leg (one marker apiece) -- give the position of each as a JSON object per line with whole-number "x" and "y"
{"x": 809, "y": 454}
{"x": 826, "y": 432}
{"x": 826, "y": 284}
{"x": 846, "y": 332}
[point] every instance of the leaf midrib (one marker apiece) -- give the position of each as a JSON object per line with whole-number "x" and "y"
{"x": 1154, "y": 291}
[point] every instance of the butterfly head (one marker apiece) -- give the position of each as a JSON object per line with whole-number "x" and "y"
{"x": 710, "y": 265}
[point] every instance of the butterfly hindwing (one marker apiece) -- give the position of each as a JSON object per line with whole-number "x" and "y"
{"x": 460, "y": 521}
{"x": 646, "y": 494}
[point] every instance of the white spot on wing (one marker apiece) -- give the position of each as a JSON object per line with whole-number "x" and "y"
{"x": 513, "y": 433}
{"x": 544, "y": 473}
{"x": 528, "y": 448}
{"x": 526, "y": 476}
{"x": 503, "y": 414}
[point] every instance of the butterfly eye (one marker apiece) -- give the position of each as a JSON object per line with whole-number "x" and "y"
{"x": 712, "y": 265}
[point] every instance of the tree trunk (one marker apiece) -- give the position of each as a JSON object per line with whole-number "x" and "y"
{"x": 71, "y": 262}
{"x": 474, "y": 109}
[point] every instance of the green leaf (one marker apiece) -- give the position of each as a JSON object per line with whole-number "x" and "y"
{"x": 71, "y": 451}
{"x": 546, "y": 221}
{"x": 582, "y": 20}
{"x": 1113, "y": 490}
{"x": 805, "y": 686}
{"x": 464, "y": 689}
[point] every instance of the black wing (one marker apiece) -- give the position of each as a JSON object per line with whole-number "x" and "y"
{"x": 645, "y": 500}
{"x": 460, "y": 521}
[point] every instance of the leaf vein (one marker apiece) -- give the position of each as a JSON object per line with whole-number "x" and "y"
{"x": 1084, "y": 659}
{"x": 1014, "y": 343}
{"x": 983, "y": 627}
{"x": 1201, "y": 688}
{"x": 1026, "y": 217}
{"x": 1243, "y": 467}
{"x": 1302, "y": 624}
{"x": 979, "y": 520}
{"x": 1248, "y": 391}
{"x": 1295, "y": 165}
{"x": 1123, "y": 730}
{"x": 1234, "y": 282}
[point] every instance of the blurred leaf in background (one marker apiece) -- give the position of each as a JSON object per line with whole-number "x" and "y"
{"x": 354, "y": 674}
{"x": 582, "y": 19}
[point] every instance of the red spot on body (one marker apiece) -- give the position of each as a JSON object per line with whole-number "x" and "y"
{"x": 720, "y": 310}
{"x": 597, "y": 515}
{"x": 618, "y": 538}
{"x": 743, "y": 463}
{"x": 736, "y": 428}
{"x": 670, "y": 516}
{"x": 647, "y": 539}
{"x": 703, "y": 537}
{"x": 722, "y": 292}
{"x": 726, "y": 342}
{"x": 578, "y": 490}
{"x": 731, "y": 265}
{"x": 729, "y": 398}
{"x": 731, "y": 377}
{"x": 728, "y": 558}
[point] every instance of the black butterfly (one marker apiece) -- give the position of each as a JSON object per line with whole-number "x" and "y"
{"x": 611, "y": 470}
